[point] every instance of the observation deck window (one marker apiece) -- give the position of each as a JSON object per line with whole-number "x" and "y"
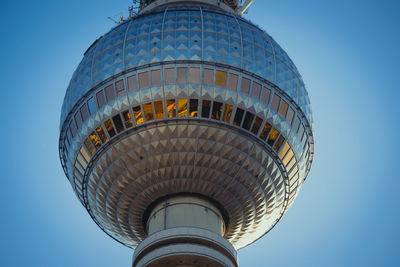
{"x": 110, "y": 128}
{"x": 272, "y": 137}
{"x": 101, "y": 101}
{"x": 89, "y": 146}
{"x": 127, "y": 119}
{"x": 156, "y": 77}
{"x": 248, "y": 120}
{"x": 233, "y": 81}
{"x": 101, "y": 134}
{"x": 137, "y": 113}
{"x": 118, "y": 123}
{"x": 169, "y": 76}
{"x": 227, "y": 113}
{"x": 194, "y": 107}
{"x": 245, "y": 87}
{"x": 195, "y": 75}
{"x": 275, "y": 102}
{"x": 208, "y": 76}
{"x": 284, "y": 108}
{"x": 279, "y": 143}
{"x": 132, "y": 83}
{"x": 238, "y": 117}
{"x": 110, "y": 94}
{"x": 205, "y": 110}
{"x": 265, "y": 131}
{"x": 171, "y": 108}
{"x": 92, "y": 106}
{"x": 266, "y": 93}
{"x": 148, "y": 111}
{"x": 144, "y": 80}
{"x": 257, "y": 125}
{"x": 182, "y": 75}
{"x": 158, "y": 107}
{"x": 182, "y": 107}
{"x": 220, "y": 78}
{"x": 120, "y": 87}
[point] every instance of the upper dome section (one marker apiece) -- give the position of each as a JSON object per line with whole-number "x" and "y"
{"x": 186, "y": 33}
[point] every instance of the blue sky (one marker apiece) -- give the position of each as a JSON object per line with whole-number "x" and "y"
{"x": 347, "y": 211}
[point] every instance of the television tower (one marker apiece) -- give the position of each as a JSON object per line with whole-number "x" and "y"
{"x": 186, "y": 132}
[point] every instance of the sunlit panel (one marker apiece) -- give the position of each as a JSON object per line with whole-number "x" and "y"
{"x": 182, "y": 107}
{"x": 220, "y": 78}
{"x": 272, "y": 137}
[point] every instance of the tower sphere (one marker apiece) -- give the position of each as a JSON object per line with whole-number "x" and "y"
{"x": 186, "y": 99}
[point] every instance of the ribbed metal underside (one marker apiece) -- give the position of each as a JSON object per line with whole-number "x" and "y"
{"x": 186, "y": 156}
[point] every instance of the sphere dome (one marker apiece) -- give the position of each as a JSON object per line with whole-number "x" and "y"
{"x": 186, "y": 99}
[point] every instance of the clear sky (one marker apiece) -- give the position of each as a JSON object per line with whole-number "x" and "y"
{"x": 347, "y": 213}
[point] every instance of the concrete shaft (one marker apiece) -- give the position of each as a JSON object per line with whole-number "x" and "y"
{"x": 185, "y": 231}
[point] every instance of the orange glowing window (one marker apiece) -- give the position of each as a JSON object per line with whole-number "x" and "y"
{"x": 272, "y": 137}
{"x": 171, "y": 108}
{"x": 101, "y": 134}
{"x": 226, "y": 117}
{"x": 127, "y": 119}
{"x": 158, "y": 106}
{"x": 110, "y": 128}
{"x": 220, "y": 78}
{"x": 284, "y": 150}
{"x": 95, "y": 140}
{"x": 182, "y": 107}
{"x": 284, "y": 108}
{"x": 279, "y": 143}
{"x": 265, "y": 131}
{"x": 137, "y": 113}
{"x": 89, "y": 146}
{"x": 148, "y": 111}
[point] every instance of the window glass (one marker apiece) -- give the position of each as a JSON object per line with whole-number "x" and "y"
{"x": 208, "y": 76}
{"x": 205, "y": 110}
{"x": 92, "y": 106}
{"x": 158, "y": 106}
{"x": 255, "y": 92}
{"x": 95, "y": 140}
{"x": 144, "y": 79}
{"x": 137, "y": 113}
{"x": 265, "y": 131}
{"x": 132, "y": 83}
{"x": 182, "y": 75}
{"x": 194, "y": 107}
{"x": 100, "y": 99}
{"x": 288, "y": 157}
{"x": 276, "y": 101}
{"x": 148, "y": 111}
{"x": 89, "y": 146}
{"x": 182, "y": 107}
{"x": 169, "y": 76}
{"x": 220, "y": 78}
{"x": 216, "y": 111}
{"x": 85, "y": 154}
{"x": 301, "y": 130}
{"x": 118, "y": 123}
{"x": 257, "y": 125}
{"x": 195, "y": 75}
{"x": 291, "y": 163}
{"x": 284, "y": 150}
{"x": 120, "y": 87}
{"x": 72, "y": 126}
{"x": 81, "y": 161}
{"x": 245, "y": 87}
{"x": 101, "y": 134}
{"x": 290, "y": 115}
{"x": 248, "y": 120}
{"x": 233, "y": 81}
{"x": 69, "y": 136}
{"x": 227, "y": 113}
{"x": 265, "y": 95}
{"x": 279, "y": 143}
{"x": 296, "y": 124}
{"x": 238, "y": 117}
{"x": 110, "y": 94}
{"x": 284, "y": 108}
{"x": 272, "y": 137}
{"x": 110, "y": 128}
{"x": 155, "y": 77}
{"x": 84, "y": 112}
{"x": 78, "y": 119}
{"x": 171, "y": 108}
{"x": 127, "y": 119}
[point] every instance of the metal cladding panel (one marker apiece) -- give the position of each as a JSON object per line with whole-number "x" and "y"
{"x": 186, "y": 33}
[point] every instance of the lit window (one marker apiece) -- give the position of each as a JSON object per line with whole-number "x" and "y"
{"x": 171, "y": 108}
{"x": 155, "y": 77}
{"x": 220, "y": 78}
{"x": 255, "y": 92}
{"x": 227, "y": 113}
{"x": 137, "y": 113}
{"x": 158, "y": 106}
{"x": 109, "y": 128}
{"x": 194, "y": 107}
{"x": 148, "y": 111}
{"x": 290, "y": 116}
{"x": 110, "y": 94}
{"x": 291, "y": 163}
{"x": 279, "y": 143}
{"x": 272, "y": 137}
{"x": 82, "y": 161}
{"x": 238, "y": 117}
{"x": 127, "y": 119}
{"x": 208, "y": 76}
{"x": 132, "y": 83}
{"x": 85, "y": 154}
{"x": 195, "y": 75}
{"x": 78, "y": 119}
{"x": 248, "y": 120}
{"x": 182, "y": 107}
{"x": 101, "y": 134}
{"x": 100, "y": 99}
{"x": 288, "y": 157}
{"x": 182, "y": 75}
{"x": 257, "y": 125}
{"x": 118, "y": 123}
{"x": 169, "y": 76}
{"x": 276, "y": 101}
{"x": 265, "y": 131}
{"x": 89, "y": 146}
{"x": 216, "y": 111}
{"x": 205, "y": 110}
{"x": 284, "y": 150}
{"x": 265, "y": 95}
{"x": 120, "y": 87}
{"x": 84, "y": 112}
{"x": 233, "y": 81}
{"x": 92, "y": 106}
{"x": 144, "y": 80}
{"x": 245, "y": 87}
{"x": 95, "y": 140}
{"x": 284, "y": 108}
